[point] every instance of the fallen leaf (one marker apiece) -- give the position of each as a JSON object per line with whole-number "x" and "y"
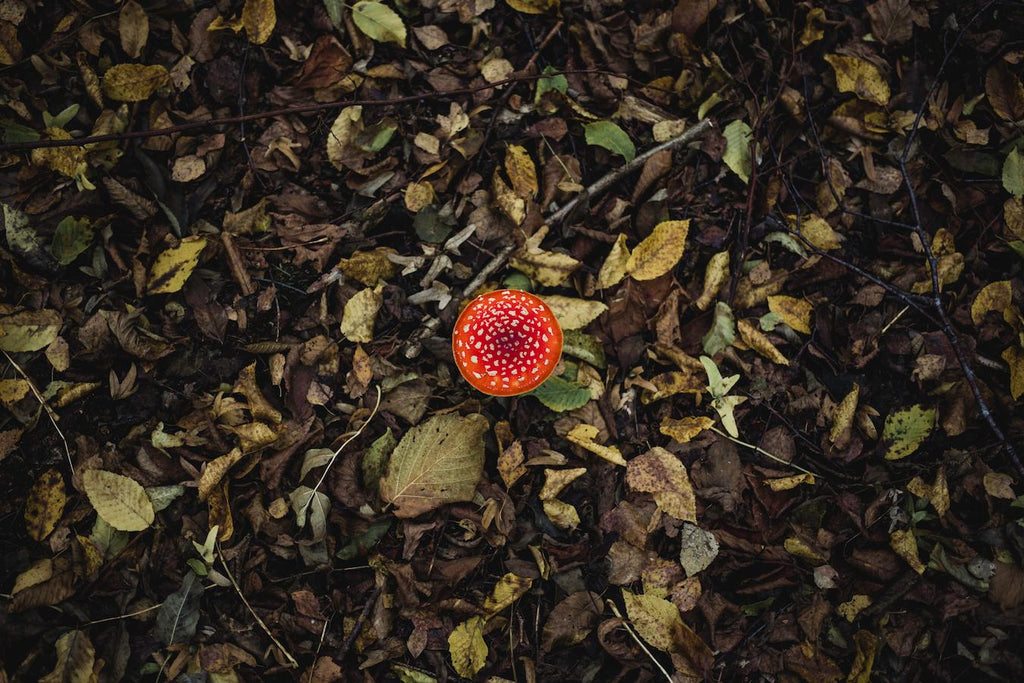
{"x": 45, "y": 504}
{"x": 437, "y": 462}
{"x": 134, "y": 82}
{"x": 905, "y": 544}
{"x": 173, "y": 267}
{"x": 119, "y": 500}
{"x": 860, "y": 77}
{"x": 737, "y": 157}
{"x": 753, "y": 338}
{"x": 715, "y": 275}
{"x": 29, "y": 330}
{"x": 360, "y": 314}
{"x": 583, "y": 435}
{"x": 698, "y": 549}
{"x": 685, "y": 429}
{"x": 571, "y": 620}
{"x": 379, "y": 22}
{"x": 794, "y": 312}
{"x": 660, "y": 251}
{"x": 664, "y": 476}
{"x": 615, "y": 264}
{"x": 610, "y": 136}
{"x": 905, "y": 430}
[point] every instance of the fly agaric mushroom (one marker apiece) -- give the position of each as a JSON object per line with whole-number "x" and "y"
{"x": 507, "y": 342}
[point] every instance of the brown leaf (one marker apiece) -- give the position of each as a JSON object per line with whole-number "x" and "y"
{"x": 133, "y": 25}
{"x": 572, "y": 620}
{"x": 1005, "y": 92}
{"x": 892, "y": 21}
{"x": 661, "y": 474}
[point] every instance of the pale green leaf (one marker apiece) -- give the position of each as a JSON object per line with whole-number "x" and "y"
{"x": 561, "y": 395}
{"x": 379, "y": 22}
{"x": 722, "y": 332}
{"x": 1013, "y": 173}
{"x": 120, "y": 501}
{"x": 610, "y": 136}
{"x": 72, "y": 237}
{"x": 737, "y": 149}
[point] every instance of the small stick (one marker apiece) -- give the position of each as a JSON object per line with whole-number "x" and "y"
{"x": 358, "y": 626}
{"x": 631, "y": 632}
{"x": 46, "y": 407}
{"x": 266, "y": 629}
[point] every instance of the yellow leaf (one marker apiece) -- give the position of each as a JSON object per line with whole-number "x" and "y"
{"x": 656, "y": 620}
{"x": 533, "y": 6}
{"x": 685, "y": 429}
{"x": 583, "y": 435}
{"x": 556, "y": 480}
{"x": 467, "y": 647}
{"x": 76, "y": 660}
{"x": 510, "y": 464}
{"x": 813, "y": 28}
{"x": 360, "y": 314}
{"x": 614, "y": 267}
{"x": 510, "y": 204}
{"x": 999, "y": 485}
{"x": 995, "y": 296}
{"x": 852, "y": 607}
{"x": 905, "y": 544}
{"x": 369, "y": 267}
{"x": 562, "y": 514}
{"x": 13, "y": 390}
{"x": 45, "y": 504}
{"x": 521, "y": 171}
{"x": 842, "y": 420}
{"x": 215, "y": 470}
{"x": 68, "y": 161}
{"x": 549, "y": 268}
{"x": 660, "y": 252}
{"x": 937, "y": 494}
{"x": 172, "y": 267}
{"x": 509, "y": 588}
{"x": 379, "y": 21}
{"x": 120, "y": 501}
{"x": 29, "y": 330}
{"x": 574, "y": 314}
{"x": 905, "y": 430}
{"x": 437, "y": 462}
{"x": 134, "y": 82}
{"x": 347, "y": 124}
{"x": 259, "y": 19}
{"x": 664, "y": 476}
{"x": 864, "y": 661}
{"x": 419, "y": 195}
{"x": 816, "y": 230}
{"x": 794, "y": 312}
{"x": 787, "y": 483}
{"x": 797, "y": 547}
{"x": 753, "y": 338}
{"x": 860, "y": 77}
{"x": 671, "y": 383}
{"x": 1014, "y": 357}
{"x": 715, "y": 276}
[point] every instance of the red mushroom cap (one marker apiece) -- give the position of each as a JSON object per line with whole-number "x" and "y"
{"x": 507, "y": 342}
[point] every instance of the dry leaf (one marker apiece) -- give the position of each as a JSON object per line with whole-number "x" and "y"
{"x": 660, "y": 252}
{"x": 860, "y": 77}
{"x": 119, "y": 500}
{"x": 134, "y": 82}
{"x": 664, "y": 476}
{"x": 173, "y": 267}
{"x": 583, "y": 435}
{"x": 437, "y": 462}
{"x": 45, "y": 504}
{"x": 133, "y": 25}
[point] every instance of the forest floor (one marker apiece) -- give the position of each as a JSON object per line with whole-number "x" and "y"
{"x": 784, "y": 241}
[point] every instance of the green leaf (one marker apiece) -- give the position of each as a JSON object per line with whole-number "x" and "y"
{"x": 333, "y": 8}
{"x": 359, "y": 546}
{"x": 717, "y": 385}
{"x": 1013, "y": 173}
{"x": 561, "y": 395}
{"x": 737, "y": 149}
{"x": 16, "y": 132}
{"x": 379, "y": 22}
{"x": 722, "y": 332}
{"x": 375, "y": 459}
{"x": 1018, "y": 246}
{"x": 608, "y": 135}
{"x": 557, "y": 83}
{"x": 788, "y": 241}
{"x": 178, "y": 617}
{"x": 61, "y": 119}
{"x": 373, "y": 138}
{"x": 584, "y": 346}
{"x": 72, "y": 237}
{"x": 905, "y": 430}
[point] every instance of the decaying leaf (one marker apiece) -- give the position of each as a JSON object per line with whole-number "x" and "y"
{"x": 45, "y": 504}
{"x": 937, "y": 493}
{"x": 794, "y": 312}
{"x": 737, "y": 157}
{"x": 698, "y": 550}
{"x": 905, "y": 430}
{"x": 173, "y": 267}
{"x": 437, "y": 462}
{"x": 360, "y": 315}
{"x": 615, "y": 264}
{"x": 860, "y": 77}
{"x": 753, "y": 338}
{"x": 76, "y": 658}
{"x": 715, "y": 276}
{"x": 905, "y": 545}
{"x": 571, "y": 620}
{"x": 467, "y": 647}
{"x": 574, "y": 314}
{"x": 29, "y": 330}
{"x": 685, "y": 429}
{"x": 379, "y": 22}
{"x": 664, "y": 476}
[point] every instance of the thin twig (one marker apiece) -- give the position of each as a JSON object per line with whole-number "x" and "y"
{"x": 284, "y": 111}
{"x": 335, "y": 455}
{"x": 762, "y": 451}
{"x": 632, "y": 633}
{"x": 266, "y": 629}
{"x": 46, "y": 407}
{"x": 358, "y": 626}
{"x": 691, "y": 134}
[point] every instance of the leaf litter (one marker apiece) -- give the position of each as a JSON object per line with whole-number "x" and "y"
{"x": 782, "y": 440}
